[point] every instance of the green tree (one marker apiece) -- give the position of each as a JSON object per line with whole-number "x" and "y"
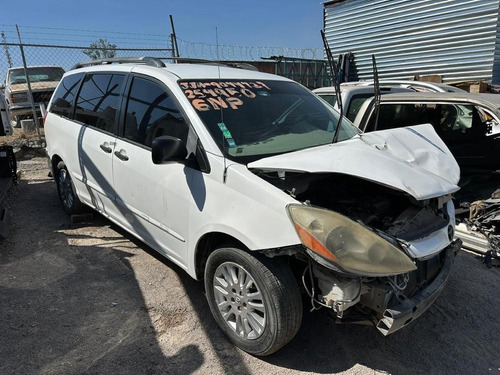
{"x": 101, "y": 49}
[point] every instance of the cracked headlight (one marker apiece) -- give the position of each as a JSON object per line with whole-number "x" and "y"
{"x": 348, "y": 244}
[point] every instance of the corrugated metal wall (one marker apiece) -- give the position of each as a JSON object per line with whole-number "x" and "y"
{"x": 453, "y": 38}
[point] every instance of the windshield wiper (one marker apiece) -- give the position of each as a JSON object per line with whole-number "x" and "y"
{"x": 334, "y": 71}
{"x": 285, "y": 114}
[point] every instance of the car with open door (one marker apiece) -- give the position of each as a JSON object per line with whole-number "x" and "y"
{"x": 469, "y": 124}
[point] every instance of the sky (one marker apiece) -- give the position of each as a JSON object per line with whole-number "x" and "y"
{"x": 292, "y": 23}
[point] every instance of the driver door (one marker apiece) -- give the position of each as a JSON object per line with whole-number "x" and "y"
{"x": 154, "y": 200}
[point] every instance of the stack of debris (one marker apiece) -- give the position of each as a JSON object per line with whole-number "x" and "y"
{"x": 8, "y": 176}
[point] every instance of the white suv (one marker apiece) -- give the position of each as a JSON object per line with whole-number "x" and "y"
{"x": 248, "y": 181}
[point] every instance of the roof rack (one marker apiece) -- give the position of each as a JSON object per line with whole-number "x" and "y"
{"x": 152, "y": 61}
{"x": 231, "y": 64}
{"x": 157, "y": 62}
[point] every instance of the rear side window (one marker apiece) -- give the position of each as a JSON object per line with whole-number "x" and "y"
{"x": 151, "y": 113}
{"x": 98, "y": 101}
{"x": 355, "y": 104}
{"x": 445, "y": 118}
{"x": 331, "y": 99}
{"x": 64, "y": 97}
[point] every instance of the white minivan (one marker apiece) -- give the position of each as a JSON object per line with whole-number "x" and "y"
{"x": 253, "y": 184}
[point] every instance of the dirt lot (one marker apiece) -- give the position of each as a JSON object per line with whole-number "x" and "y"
{"x": 88, "y": 299}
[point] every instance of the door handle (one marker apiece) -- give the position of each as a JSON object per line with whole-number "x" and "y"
{"x": 106, "y": 148}
{"x": 121, "y": 155}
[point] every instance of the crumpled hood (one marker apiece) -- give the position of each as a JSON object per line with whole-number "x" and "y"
{"x": 412, "y": 159}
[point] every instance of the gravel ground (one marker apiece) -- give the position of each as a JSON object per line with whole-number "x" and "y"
{"x": 87, "y": 298}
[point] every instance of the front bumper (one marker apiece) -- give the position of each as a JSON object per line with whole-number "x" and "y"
{"x": 397, "y": 317}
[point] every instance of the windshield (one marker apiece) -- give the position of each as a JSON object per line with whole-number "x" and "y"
{"x": 253, "y": 119}
{"x": 39, "y": 74}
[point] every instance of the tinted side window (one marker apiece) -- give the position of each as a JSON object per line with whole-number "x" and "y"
{"x": 446, "y": 118}
{"x": 64, "y": 96}
{"x": 151, "y": 113}
{"x": 355, "y": 104}
{"x": 396, "y": 116}
{"x": 98, "y": 100}
{"x": 331, "y": 99}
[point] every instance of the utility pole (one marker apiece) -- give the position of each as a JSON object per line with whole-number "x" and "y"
{"x": 7, "y": 53}
{"x": 30, "y": 93}
{"x": 173, "y": 37}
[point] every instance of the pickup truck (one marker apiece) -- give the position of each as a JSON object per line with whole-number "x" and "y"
{"x": 43, "y": 80}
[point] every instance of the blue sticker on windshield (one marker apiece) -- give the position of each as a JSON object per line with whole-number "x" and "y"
{"x": 227, "y": 135}
{"x": 222, "y": 126}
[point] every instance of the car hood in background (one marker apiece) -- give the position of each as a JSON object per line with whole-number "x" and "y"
{"x": 413, "y": 159}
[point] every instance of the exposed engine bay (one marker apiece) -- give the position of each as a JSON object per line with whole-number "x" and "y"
{"x": 390, "y": 211}
{"x": 393, "y": 215}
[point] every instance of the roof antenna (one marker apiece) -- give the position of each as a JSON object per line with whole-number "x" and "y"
{"x": 376, "y": 88}
{"x": 221, "y": 124}
{"x": 334, "y": 71}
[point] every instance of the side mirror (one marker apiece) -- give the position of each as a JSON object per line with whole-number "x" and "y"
{"x": 2, "y": 86}
{"x": 168, "y": 149}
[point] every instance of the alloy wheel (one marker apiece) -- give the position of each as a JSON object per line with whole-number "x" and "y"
{"x": 65, "y": 189}
{"x": 239, "y": 301}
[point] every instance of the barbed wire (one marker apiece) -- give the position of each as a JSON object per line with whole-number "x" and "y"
{"x": 247, "y": 53}
{"x": 39, "y": 35}
{"x": 199, "y": 50}
{"x": 67, "y": 47}
{"x": 79, "y": 35}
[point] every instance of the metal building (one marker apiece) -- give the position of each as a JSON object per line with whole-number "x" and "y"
{"x": 457, "y": 39}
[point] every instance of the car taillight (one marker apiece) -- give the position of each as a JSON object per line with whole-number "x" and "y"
{"x": 44, "y": 117}
{"x": 19, "y": 98}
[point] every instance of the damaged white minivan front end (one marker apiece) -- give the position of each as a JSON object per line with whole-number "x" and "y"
{"x": 376, "y": 222}
{"x": 364, "y": 222}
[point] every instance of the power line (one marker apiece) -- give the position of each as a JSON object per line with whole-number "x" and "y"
{"x": 83, "y": 30}
{"x": 28, "y": 39}
{"x": 80, "y": 35}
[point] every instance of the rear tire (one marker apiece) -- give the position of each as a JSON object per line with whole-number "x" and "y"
{"x": 255, "y": 300}
{"x": 66, "y": 191}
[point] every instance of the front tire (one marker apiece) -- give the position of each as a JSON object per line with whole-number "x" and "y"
{"x": 255, "y": 300}
{"x": 66, "y": 191}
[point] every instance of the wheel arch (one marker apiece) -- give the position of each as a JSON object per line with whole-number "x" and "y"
{"x": 210, "y": 242}
{"x": 54, "y": 162}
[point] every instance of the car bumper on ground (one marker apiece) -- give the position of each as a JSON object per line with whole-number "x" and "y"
{"x": 397, "y": 317}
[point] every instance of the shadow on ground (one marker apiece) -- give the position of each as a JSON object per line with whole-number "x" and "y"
{"x": 59, "y": 315}
{"x": 458, "y": 333}
{"x": 73, "y": 309}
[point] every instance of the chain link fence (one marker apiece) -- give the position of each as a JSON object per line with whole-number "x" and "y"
{"x": 49, "y": 55}
{"x": 63, "y": 56}
{"x": 74, "y": 46}
{"x": 243, "y": 53}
